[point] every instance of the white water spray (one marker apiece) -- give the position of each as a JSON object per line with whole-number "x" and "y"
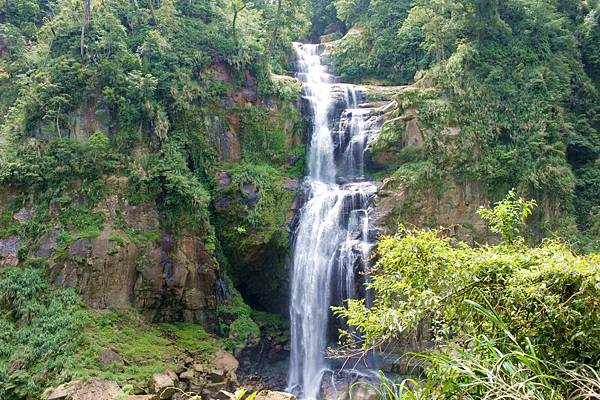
{"x": 332, "y": 238}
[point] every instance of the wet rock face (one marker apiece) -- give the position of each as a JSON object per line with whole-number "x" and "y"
{"x": 167, "y": 277}
{"x": 454, "y": 208}
{"x": 227, "y": 139}
{"x": 256, "y": 251}
{"x": 8, "y": 251}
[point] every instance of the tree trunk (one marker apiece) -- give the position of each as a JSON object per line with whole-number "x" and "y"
{"x": 276, "y": 27}
{"x": 236, "y": 12}
{"x": 151, "y": 7}
{"x": 84, "y": 23}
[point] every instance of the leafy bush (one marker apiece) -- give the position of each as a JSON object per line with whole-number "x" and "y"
{"x": 41, "y": 330}
{"x": 508, "y": 216}
{"x": 235, "y": 318}
{"x": 379, "y": 52}
{"x": 483, "y": 368}
{"x": 511, "y": 321}
{"x": 547, "y": 295}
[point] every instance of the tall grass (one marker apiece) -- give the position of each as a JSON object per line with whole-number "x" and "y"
{"x": 492, "y": 369}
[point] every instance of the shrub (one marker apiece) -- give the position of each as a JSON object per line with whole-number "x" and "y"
{"x": 547, "y": 294}
{"x": 41, "y": 329}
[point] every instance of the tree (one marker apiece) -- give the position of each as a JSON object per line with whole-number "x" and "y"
{"x": 508, "y": 216}
{"x": 237, "y": 6}
{"x": 84, "y": 23}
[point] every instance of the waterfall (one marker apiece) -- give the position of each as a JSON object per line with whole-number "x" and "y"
{"x": 331, "y": 243}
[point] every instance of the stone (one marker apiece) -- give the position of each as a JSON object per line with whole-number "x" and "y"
{"x": 47, "y": 243}
{"x": 212, "y": 390}
{"x": 292, "y": 160}
{"x": 172, "y": 375}
{"x": 8, "y": 251}
{"x": 224, "y": 180}
{"x": 225, "y": 361}
{"x": 81, "y": 247}
{"x": 274, "y": 395}
{"x": 94, "y": 389}
{"x": 163, "y": 385}
{"x": 222, "y": 204}
{"x": 199, "y": 367}
{"x": 217, "y": 376}
{"x": 90, "y": 117}
{"x": 187, "y": 375}
{"x": 167, "y": 279}
{"x": 291, "y": 184}
{"x": 141, "y": 217}
{"x": 109, "y": 356}
{"x": 250, "y": 194}
{"x": 23, "y": 215}
{"x": 363, "y": 391}
{"x": 196, "y": 385}
{"x": 228, "y": 142}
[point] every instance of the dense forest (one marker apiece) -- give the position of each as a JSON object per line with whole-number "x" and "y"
{"x": 156, "y": 164}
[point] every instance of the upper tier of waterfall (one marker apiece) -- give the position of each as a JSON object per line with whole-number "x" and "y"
{"x": 331, "y": 242}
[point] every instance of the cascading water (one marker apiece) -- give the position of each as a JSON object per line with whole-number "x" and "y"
{"x": 331, "y": 243}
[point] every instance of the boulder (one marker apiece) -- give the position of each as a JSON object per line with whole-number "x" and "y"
{"x": 187, "y": 375}
{"x": 364, "y": 391}
{"x": 199, "y": 367}
{"x": 274, "y": 395}
{"x": 24, "y": 215}
{"x": 95, "y": 389}
{"x": 225, "y": 367}
{"x": 8, "y": 251}
{"x": 213, "y": 391}
{"x": 250, "y": 194}
{"x": 196, "y": 385}
{"x": 163, "y": 384}
{"x": 109, "y": 356}
{"x": 223, "y": 179}
{"x": 222, "y": 204}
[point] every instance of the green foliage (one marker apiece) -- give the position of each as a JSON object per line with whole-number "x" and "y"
{"x": 377, "y": 53}
{"x": 261, "y": 141}
{"x": 179, "y": 187}
{"x": 272, "y": 325}
{"x": 510, "y": 321}
{"x": 265, "y": 215}
{"x": 81, "y": 217}
{"x": 484, "y": 368}
{"x": 47, "y": 337}
{"x": 324, "y": 20}
{"x": 235, "y": 318}
{"x": 147, "y": 349}
{"x": 546, "y": 294}
{"x": 508, "y": 216}
{"x": 41, "y": 330}
{"x": 514, "y": 83}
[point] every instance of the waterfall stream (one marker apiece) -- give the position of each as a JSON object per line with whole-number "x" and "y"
{"x": 332, "y": 241}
